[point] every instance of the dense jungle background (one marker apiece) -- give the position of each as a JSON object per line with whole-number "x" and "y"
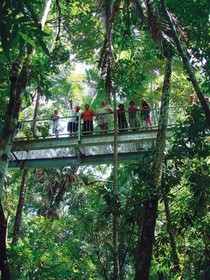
{"x": 147, "y": 219}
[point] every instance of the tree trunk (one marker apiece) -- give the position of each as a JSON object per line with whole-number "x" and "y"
{"x": 171, "y": 236}
{"x": 169, "y": 227}
{"x": 18, "y": 81}
{"x": 145, "y": 241}
{"x": 17, "y": 224}
{"x": 184, "y": 55}
{"x": 116, "y": 256}
{"x": 33, "y": 126}
{"x": 4, "y": 263}
{"x": 10, "y": 123}
{"x": 45, "y": 12}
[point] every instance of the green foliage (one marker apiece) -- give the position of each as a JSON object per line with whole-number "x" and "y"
{"x": 49, "y": 251}
{"x": 191, "y": 140}
{"x": 19, "y": 26}
{"x": 193, "y": 17}
{"x": 83, "y": 29}
{"x": 70, "y": 236}
{"x": 79, "y": 244}
{"x": 187, "y": 180}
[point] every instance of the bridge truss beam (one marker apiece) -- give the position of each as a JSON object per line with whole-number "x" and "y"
{"x": 76, "y": 160}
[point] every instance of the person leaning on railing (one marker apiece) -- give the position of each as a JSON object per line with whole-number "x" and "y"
{"x": 87, "y": 117}
{"x": 133, "y": 116}
{"x": 122, "y": 121}
{"x": 72, "y": 125}
{"x": 55, "y": 118}
{"x": 146, "y": 113}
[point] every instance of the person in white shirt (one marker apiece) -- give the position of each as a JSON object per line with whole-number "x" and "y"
{"x": 102, "y": 116}
{"x": 72, "y": 126}
{"x": 55, "y": 127}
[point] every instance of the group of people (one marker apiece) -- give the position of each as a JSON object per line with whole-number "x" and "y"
{"x": 133, "y": 113}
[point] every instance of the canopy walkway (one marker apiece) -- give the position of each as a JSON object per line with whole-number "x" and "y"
{"x": 40, "y": 148}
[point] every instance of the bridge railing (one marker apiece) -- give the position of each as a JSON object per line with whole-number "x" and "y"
{"x": 45, "y": 128}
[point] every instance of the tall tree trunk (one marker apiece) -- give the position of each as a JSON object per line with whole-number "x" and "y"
{"x": 116, "y": 223}
{"x": 116, "y": 256}
{"x": 18, "y": 81}
{"x": 45, "y": 12}
{"x": 145, "y": 241}
{"x": 4, "y": 263}
{"x": 169, "y": 226}
{"x": 17, "y": 224}
{"x": 184, "y": 55}
{"x": 107, "y": 11}
{"x": 171, "y": 236}
{"x": 33, "y": 126}
{"x": 11, "y": 121}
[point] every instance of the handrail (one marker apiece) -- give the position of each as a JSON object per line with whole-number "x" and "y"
{"x": 153, "y": 109}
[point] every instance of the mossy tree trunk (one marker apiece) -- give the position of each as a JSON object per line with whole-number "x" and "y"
{"x": 4, "y": 263}
{"x": 18, "y": 217}
{"x": 146, "y": 238}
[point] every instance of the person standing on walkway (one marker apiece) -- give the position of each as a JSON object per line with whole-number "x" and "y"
{"x": 72, "y": 126}
{"x": 102, "y": 116}
{"x": 133, "y": 116}
{"x": 55, "y": 127}
{"x": 146, "y": 113}
{"x": 87, "y": 117}
{"x": 122, "y": 121}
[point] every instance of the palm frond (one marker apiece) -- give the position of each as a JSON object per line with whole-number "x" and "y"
{"x": 177, "y": 26}
{"x": 154, "y": 22}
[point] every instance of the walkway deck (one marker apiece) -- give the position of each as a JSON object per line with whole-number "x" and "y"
{"x": 90, "y": 140}
{"x": 87, "y": 150}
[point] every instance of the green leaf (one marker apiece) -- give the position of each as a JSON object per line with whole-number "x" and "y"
{"x": 43, "y": 46}
{"x": 30, "y": 9}
{"x": 27, "y": 39}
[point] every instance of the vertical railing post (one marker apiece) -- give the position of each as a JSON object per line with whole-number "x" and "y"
{"x": 79, "y": 129}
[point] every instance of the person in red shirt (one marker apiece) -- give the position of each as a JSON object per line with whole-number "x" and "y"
{"x": 87, "y": 117}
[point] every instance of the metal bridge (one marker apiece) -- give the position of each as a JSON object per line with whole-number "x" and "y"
{"x": 43, "y": 149}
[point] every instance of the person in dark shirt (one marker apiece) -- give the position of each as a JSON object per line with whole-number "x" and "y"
{"x": 133, "y": 116}
{"x": 122, "y": 121}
